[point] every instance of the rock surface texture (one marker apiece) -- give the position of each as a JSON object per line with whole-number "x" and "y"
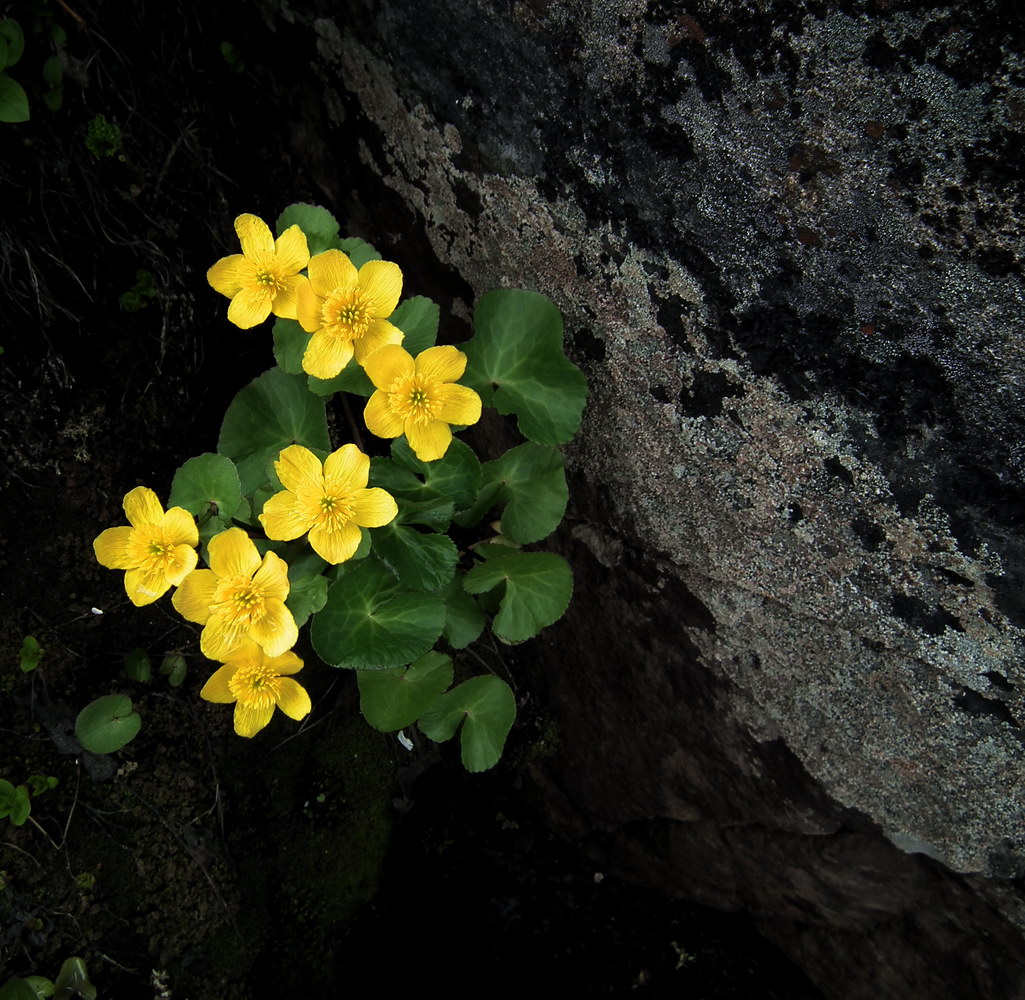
{"x": 786, "y": 239}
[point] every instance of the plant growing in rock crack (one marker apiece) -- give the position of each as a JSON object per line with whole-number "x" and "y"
{"x": 388, "y": 556}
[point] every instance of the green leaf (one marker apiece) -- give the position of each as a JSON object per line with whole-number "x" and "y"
{"x": 290, "y": 341}
{"x": 351, "y": 378}
{"x": 532, "y": 480}
{"x": 13, "y": 100}
{"x": 107, "y": 724}
{"x": 204, "y": 480}
{"x": 17, "y": 989}
{"x": 369, "y": 623}
{"x": 138, "y": 666}
{"x": 456, "y": 475}
{"x": 464, "y": 619}
{"x": 73, "y": 979}
{"x": 418, "y": 319}
{"x": 306, "y": 597}
{"x": 39, "y": 783}
{"x": 42, "y": 986}
{"x": 317, "y": 223}
{"x": 516, "y": 364}
{"x": 486, "y": 708}
{"x": 358, "y": 250}
{"x": 272, "y": 412}
{"x": 420, "y": 561}
{"x": 4, "y": 61}
{"x": 22, "y": 806}
{"x": 393, "y": 699}
{"x": 53, "y": 97}
{"x": 30, "y": 654}
{"x": 174, "y": 668}
{"x": 538, "y": 586}
{"x": 14, "y": 38}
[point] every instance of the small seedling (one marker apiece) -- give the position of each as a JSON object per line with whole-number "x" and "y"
{"x": 31, "y": 654}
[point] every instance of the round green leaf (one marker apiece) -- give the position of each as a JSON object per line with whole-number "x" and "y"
{"x": 138, "y": 666}
{"x": 22, "y": 806}
{"x": 359, "y": 251}
{"x": 418, "y": 319}
{"x": 516, "y": 364}
{"x": 306, "y": 596}
{"x": 369, "y": 623}
{"x": 393, "y": 699}
{"x": 464, "y": 619}
{"x": 351, "y": 378}
{"x": 532, "y": 480}
{"x": 107, "y": 724}
{"x": 17, "y": 988}
{"x": 290, "y": 341}
{"x": 486, "y": 708}
{"x": 420, "y": 561}
{"x": 537, "y": 589}
{"x": 319, "y": 225}
{"x": 205, "y": 480}
{"x": 13, "y": 100}
{"x": 14, "y": 40}
{"x": 272, "y": 412}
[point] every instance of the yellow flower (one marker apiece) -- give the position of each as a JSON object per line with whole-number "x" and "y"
{"x": 347, "y": 311}
{"x": 265, "y": 277}
{"x": 238, "y": 598}
{"x": 257, "y": 683}
{"x": 158, "y": 550}
{"x": 330, "y": 501}
{"x": 417, "y": 398}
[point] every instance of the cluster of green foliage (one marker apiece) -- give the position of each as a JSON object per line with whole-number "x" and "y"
{"x": 14, "y": 103}
{"x": 72, "y": 981}
{"x": 438, "y": 575}
{"x": 15, "y": 802}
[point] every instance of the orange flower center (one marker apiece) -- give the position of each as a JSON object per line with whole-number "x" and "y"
{"x": 255, "y": 685}
{"x": 152, "y": 549}
{"x": 334, "y": 510}
{"x": 414, "y": 399}
{"x": 347, "y": 313}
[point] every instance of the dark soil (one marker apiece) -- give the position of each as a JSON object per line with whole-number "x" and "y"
{"x": 193, "y": 860}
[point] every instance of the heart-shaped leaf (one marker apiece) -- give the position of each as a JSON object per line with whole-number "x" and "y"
{"x": 486, "y": 708}
{"x": 393, "y": 699}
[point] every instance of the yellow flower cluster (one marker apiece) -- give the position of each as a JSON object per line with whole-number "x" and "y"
{"x": 346, "y": 310}
{"x": 240, "y": 600}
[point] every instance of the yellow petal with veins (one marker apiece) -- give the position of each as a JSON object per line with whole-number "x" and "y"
{"x": 326, "y": 356}
{"x": 180, "y": 527}
{"x": 224, "y": 276}
{"x": 298, "y": 468}
{"x": 250, "y": 307}
{"x": 293, "y": 699}
{"x": 385, "y": 366}
{"x": 379, "y": 334}
{"x": 330, "y": 270}
{"x": 346, "y": 470}
{"x": 458, "y": 404}
{"x": 373, "y": 508}
{"x": 338, "y": 545}
{"x": 193, "y": 598}
{"x": 276, "y": 631}
{"x": 232, "y": 553}
{"x": 142, "y": 507}
{"x": 255, "y": 236}
{"x": 111, "y": 546}
{"x": 283, "y": 519}
{"x": 216, "y": 688}
{"x": 145, "y": 586}
{"x": 249, "y": 721}
{"x": 381, "y": 420}
{"x": 381, "y": 280}
{"x": 428, "y": 441}
{"x": 307, "y": 307}
{"x": 441, "y": 364}
{"x": 285, "y": 302}
{"x": 272, "y": 580}
{"x": 292, "y": 250}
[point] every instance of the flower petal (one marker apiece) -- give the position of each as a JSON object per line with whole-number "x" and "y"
{"x": 326, "y": 356}
{"x": 145, "y": 586}
{"x": 373, "y": 508}
{"x": 216, "y": 688}
{"x": 219, "y": 638}
{"x": 335, "y": 546}
{"x": 285, "y": 302}
{"x": 224, "y": 276}
{"x": 250, "y": 307}
{"x": 307, "y": 307}
{"x": 255, "y": 236}
{"x": 379, "y": 334}
{"x": 428, "y": 441}
{"x": 180, "y": 526}
{"x": 381, "y": 281}
{"x": 249, "y": 721}
{"x": 298, "y": 468}
{"x": 293, "y": 699}
{"x": 292, "y": 250}
{"x": 185, "y": 559}
{"x": 346, "y": 470}
{"x": 142, "y": 507}
{"x": 458, "y": 404}
{"x": 282, "y": 517}
{"x": 272, "y": 580}
{"x": 441, "y": 364}
{"x": 330, "y": 270}
{"x": 276, "y": 632}
{"x": 111, "y": 548}
{"x": 286, "y": 663}
{"x": 389, "y": 364}
{"x": 381, "y": 420}
{"x": 194, "y": 596}
{"x": 232, "y": 553}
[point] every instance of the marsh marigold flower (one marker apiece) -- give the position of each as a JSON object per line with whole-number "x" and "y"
{"x": 418, "y": 398}
{"x": 257, "y": 683}
{"x": 347, "y": 311}
{"x": 157, "y": 550}
{"x": 330, "y": 501}
{"x": 239, "y": 597}
{"x": 265, "y": 277}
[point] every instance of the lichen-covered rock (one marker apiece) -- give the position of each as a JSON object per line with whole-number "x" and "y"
{"x": 786, "y": 238}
